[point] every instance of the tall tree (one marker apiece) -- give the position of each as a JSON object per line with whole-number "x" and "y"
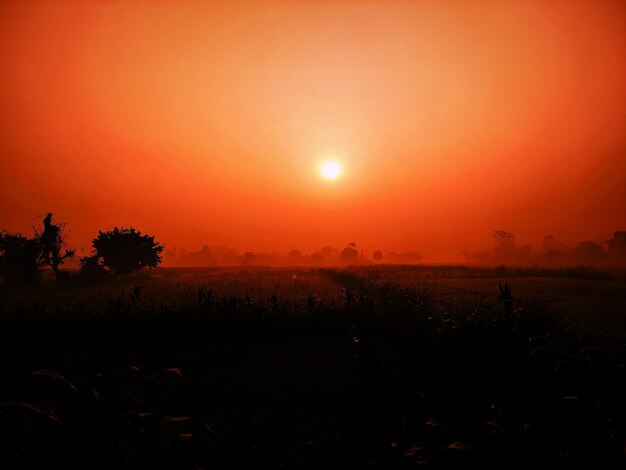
{"x": 52, "y": 243}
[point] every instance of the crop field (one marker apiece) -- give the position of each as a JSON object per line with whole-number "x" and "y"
{"x": 370, "y": 367}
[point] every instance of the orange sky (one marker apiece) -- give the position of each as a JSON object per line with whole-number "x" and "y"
{"x": 204, "y": 123}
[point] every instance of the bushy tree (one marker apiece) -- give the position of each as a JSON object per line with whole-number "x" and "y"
{"x": 19, "y": 258}
{"x": 248, "y": 258}
{"x": 126, "y": 250}
{"x": 295, "y": 253}
{"x": 554, "y": 251}
{"x": 349, "y": 254}
{"x": 617, "y": 245}
{"x": 588, "y": 252}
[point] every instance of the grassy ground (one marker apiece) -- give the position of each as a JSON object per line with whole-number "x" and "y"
{"x": 386, "y": 367}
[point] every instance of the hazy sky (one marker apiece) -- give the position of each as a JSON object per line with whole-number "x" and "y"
{"x": 204, "y": 123}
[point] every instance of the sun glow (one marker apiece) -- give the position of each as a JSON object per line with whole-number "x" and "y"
{"x": 330, "y": 169}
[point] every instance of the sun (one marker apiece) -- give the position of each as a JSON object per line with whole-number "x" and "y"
{"x": 330, "y": 169}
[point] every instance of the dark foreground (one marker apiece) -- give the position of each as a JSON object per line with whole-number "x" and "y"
{"x": 333, "y": 370}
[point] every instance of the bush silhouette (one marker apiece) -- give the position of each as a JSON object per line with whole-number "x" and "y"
{"x": 19, "y": 258}
{"x": 126, "y": 250}
{"x": 92, "y": 271}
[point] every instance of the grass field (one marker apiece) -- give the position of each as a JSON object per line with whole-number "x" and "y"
{"x": 377, "y": 367}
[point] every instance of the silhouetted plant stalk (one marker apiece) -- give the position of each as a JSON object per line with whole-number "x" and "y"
{"x": 348, "y": 296}
{"x": 507, "y": 298}
{"x": 275, "y": 303}
{"x": 135, "y": 296}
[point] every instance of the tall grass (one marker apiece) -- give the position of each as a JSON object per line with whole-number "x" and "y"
{"x": 429, "y": 371}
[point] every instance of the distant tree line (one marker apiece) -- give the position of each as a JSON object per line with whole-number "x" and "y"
{"x": 506, "y": 250}
{"x": 115, "y": 252}
{"x": 349, "y": 255}
{"x": 126, "y": 250}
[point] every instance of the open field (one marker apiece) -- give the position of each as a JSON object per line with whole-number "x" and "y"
{"x": 386, "y": 367}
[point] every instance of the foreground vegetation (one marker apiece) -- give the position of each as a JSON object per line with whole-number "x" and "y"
{"x": 386, "y": 367}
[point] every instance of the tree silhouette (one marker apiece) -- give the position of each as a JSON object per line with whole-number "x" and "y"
{"x": 19, "y": 258}
{"x": 126, "y": 250}
{"x": 588, "y": 252}
{"x": 247, "y": 258}
{"x": 505, "y": 249}
{"x": 92, "y": 271}
{"x": 52, "y": 244}
{"x": 295, "y": 254}
{"x": 617, "y": 245}
{"x": 22, "y": 258}
{"x": 504, "y": 236}
{"x": 349, "y": 254}
{"x": 378, "y": 256}
{"x": 327, "y": 252}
